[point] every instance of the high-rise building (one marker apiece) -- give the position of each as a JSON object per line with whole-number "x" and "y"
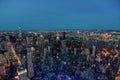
{"x": 87, "y": 53}
{"x": 64, "y": 35}
{"x": 57, "y": 36}
{"x": 13, "y": 68}
{"x": 93, "y": 51}
{"x": 49, "y": 49}
{"x": 75, "y": 51}
{"x": 117, "y": 77}
{"x": 63, "y": 43}
{"x": 2, "y": 70}
{"x": 45, "y": 52}
{"x": 29, "y": 60}
{"x": 22, "y": 72}
{"x": 20, "y": 32}
{"x": 101, "y": 44}
{"x": 51, "y": 61}
{"x": 9, "y": 50}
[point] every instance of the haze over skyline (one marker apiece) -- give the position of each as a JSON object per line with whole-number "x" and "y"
{"x": 59, "y": 14}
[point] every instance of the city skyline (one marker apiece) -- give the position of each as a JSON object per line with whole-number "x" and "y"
{"x": 59, "y": 15}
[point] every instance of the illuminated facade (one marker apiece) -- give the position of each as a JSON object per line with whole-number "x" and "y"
{"x": 29, "y": 60}
{"x": 20, "y": 32}
{"x": 117, "y": 77}
{"x": 22, "y": 73}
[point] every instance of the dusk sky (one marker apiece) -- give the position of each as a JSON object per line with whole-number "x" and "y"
{"x": 59, "y": 14}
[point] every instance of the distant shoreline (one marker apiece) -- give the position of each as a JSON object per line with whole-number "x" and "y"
{"x": 59, "y": 30}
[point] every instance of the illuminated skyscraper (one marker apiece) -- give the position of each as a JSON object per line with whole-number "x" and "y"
{"x": 29, "y": 60}
{"x": 93, "y": 50}
{"x": 20, "y": 32}
{"x": 9, "y": 50}
{"x": 22, "y": 72}
{"x": 57, "y": 36}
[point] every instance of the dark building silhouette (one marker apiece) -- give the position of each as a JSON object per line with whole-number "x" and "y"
{"x": 13, "y": 68}
{"x": 64, "y": 35}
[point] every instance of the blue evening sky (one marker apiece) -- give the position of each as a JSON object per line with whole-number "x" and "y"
{"x": 59, "y": 14}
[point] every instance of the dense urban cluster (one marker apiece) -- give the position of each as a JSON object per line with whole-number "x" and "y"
{"x": 60, "y": 55}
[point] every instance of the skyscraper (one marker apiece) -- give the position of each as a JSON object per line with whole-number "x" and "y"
{"x": 29, "y": 60}
{"x": 57, "y": 36}
{"x": 64, "y": 35}
{"x": 13, "y": 68}
{"x": 20, "y": 32}
{"x": 22, "y": 72}
{"x": 2, "y": 70}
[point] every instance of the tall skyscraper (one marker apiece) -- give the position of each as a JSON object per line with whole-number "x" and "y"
{"x": 57, "y": 36}
{"x": 29, "y": 60}
{"x": 9, "y": 50}
{"x": 20, "y": 32}
{"x": 93, "y": 50}
{"x": 45, "y": 52}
